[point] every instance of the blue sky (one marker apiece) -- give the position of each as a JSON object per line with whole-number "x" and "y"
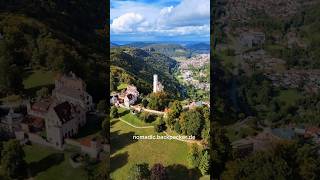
{"x": 160, "y": 20}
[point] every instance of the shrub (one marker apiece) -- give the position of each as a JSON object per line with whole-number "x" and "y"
{"x": 158, "y": 172}
{"x": 177, "y": 127}
{"x": 114, "y": 112}
{"x": 139, "y": 172}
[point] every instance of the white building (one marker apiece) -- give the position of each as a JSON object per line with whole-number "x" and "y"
{"x": 11, "y": 122}
{"x": 131, "y": 95}
{"x": 72, "y": 89}
{"x": 157, "y": 86}
{"x": 62, "y": 114}
{"x": 63, "y": 121}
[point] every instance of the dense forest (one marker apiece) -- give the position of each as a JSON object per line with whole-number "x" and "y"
{"x": 249, "y": 96}
{"x": 168, "y": 49}
{"x": 61, "y": 36}
{"x": 137, "y": 66}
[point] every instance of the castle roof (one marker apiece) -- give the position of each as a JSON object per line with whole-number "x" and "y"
{"x": 34, "y": 121}
{"x": 42, "y": 105}
{"x": 64, "y": 111}
{"x": 88, "y": 141}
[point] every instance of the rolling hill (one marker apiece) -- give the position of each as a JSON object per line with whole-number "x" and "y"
{"x": 60, "y": 36}
{"x": 137, "y": 66}
{"x": 199, "y": 47}
{"x": 170, "y": 50}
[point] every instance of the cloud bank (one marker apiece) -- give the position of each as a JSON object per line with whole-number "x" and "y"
{"x": 183, "y": 18}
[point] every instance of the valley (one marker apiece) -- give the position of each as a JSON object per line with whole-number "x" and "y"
{"x": 267, "y": 87}
{"x": 154, "y": 89}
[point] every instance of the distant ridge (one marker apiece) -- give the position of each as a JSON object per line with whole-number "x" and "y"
{"x": 113, "y": 44}
{"x": 199, "y": 47}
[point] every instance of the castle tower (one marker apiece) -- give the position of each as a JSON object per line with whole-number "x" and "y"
{"x": 155, "y": 83}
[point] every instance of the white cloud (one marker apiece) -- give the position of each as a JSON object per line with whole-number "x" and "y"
{"x": 186, "y": 30}
{"x": 187, "y": 13}
{"x": 126, "y": 23}
{"x": 122, "y": 7}
{"x": 189, "y": 17}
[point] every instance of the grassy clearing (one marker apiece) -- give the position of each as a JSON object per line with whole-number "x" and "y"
{"x": 289, "y": 96}
{"x": 125, "y": 152}
{"x": 11, "y": 99}
{"x": 39, "y": 78}
{"x": 132, "y": 118}
{"x": 122, "y": 86}
{"x": 49, "y": 164}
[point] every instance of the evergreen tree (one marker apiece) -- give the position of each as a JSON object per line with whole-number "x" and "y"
{"x": 204, "y": 164}
{"x": 12, "y": 159}
{"x": 194, "y": 156}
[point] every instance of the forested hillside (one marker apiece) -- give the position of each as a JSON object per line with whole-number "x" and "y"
{"x": 170, "y": 50}
{"x": 136, "y": 66}
{"x": 55, "y": 35}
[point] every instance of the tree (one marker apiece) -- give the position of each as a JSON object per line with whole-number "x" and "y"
{"x": 42, "y": 93}
{"x": 191, "y": 123}
{"x": 170, "y": 119}
{"x": 102, "y": 106}
{"x": 160, "y": 126}
{"x": 309, "y": 162}
{"x": 144, "y": 102}
{"x": 12, "y": 159}
{"x": 158, "y": 172}
{"x": 106, "y": 129}
{"x": 175, "y": 109}
{"x": 204, "y": 164}
{"x": 194, "y": 156}
{"x": 139, "y": 172}
{"x": 114, "y": 112}
{"x": 177, "y": 127}
{"x": 10, "y": 75}
{"x": 158, "y": 101}
{"x": 221, "y": 149}
{"x": 261, "y": 165}
{"x": 102, "y": 172}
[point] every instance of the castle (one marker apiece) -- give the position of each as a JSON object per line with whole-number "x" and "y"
{"x": 72, "y": 89}
{"x": 62, "y": 114}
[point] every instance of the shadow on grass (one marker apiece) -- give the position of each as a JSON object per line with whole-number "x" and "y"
{"x": 119, "y": 141}
{"x": 113, "y": 122}
{"x": 124, "y": 113}
{"x": 178, "y": 171}
{"x": 118, "y": 161}
{"x": 51, "y": 160}
{"x": 92, "y": 126}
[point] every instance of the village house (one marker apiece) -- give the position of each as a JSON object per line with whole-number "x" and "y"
{"x": 91, "y": 146}
{"x": 131, "y": 95}
{"x": 262, "y": 141}
{"x": 11, "y": 122}
{"x": 127, "y": 97}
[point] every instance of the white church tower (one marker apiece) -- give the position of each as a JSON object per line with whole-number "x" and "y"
{"x": 157, "y": 86}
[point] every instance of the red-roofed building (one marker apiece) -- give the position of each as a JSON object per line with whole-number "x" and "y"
{"x": 91, "y": 146}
